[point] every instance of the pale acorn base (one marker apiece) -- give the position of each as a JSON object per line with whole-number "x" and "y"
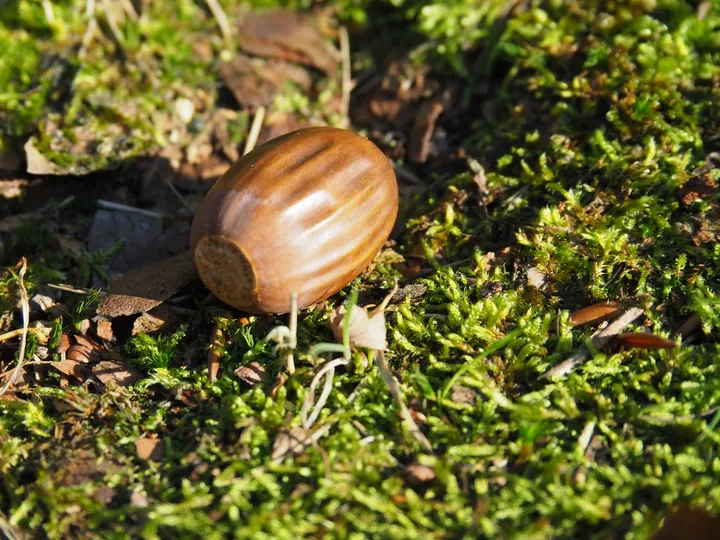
{"x": 226, "y": 271}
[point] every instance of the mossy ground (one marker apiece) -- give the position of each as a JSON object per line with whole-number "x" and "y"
{"x": 588, "y": 118}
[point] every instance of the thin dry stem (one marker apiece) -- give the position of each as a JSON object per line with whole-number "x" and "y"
{"x": 109, "y": 205}
{"x": 289, "y": 355}
{"x": 346, "y": 74}
{"x": 49, "y": 13}
{"x": 394, "y": 388}
{"x": 25, "y": 302}
{"x": 112, "y": 23}
{"x": 255, "y": 130}
{"x": 599, "y": 341}
{"x": 222, "y": 20}
{"x": 129, "y": 10}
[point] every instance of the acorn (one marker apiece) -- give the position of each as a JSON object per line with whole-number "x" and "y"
{"x": 304, "y": 213}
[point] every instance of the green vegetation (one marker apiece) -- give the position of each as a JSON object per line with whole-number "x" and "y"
{"x": 588, "y": 119}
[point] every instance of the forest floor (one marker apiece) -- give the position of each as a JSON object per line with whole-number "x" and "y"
{"x": 558, "y": 179}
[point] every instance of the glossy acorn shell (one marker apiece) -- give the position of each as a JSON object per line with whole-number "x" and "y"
{"x": 306, "y": 213}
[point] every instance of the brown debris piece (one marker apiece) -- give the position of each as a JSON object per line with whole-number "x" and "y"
{"x": 287, "y": 35}
{"x": 644, "y": 340}
{"x": 105, "y": 330}
{"x": 63, "y": 344}
{"x": 414, "y": 291}
{"x": 150, "y": 449}
{"x": 290, "y": 441}
{"x": 595, "y": 313}
{"x": 157, "y": 319}
{"x": 84, "y": 350}
{"x": 72, "y": 368}
{"x": 463, "y": 394}
{"x": 422, "y": 131}
{"x": 148, "y": 286}
{"x": 214, "y": 353}
{"x": 121, "y": 374}
{"x": 417, "y": 474}
{"x": 39, "y": 164}
{"x": 255, "y": 82}
{"x": 686, "y": 523}
{"x": 252, "y": 374}
{"x": 12, "y": 189}
{"x": 697, "y": 188}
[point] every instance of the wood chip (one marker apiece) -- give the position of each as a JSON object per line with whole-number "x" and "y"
{"x": 150, "y": 449}
{"x": 121, "y": 374}
{"x": 146, "y": 287}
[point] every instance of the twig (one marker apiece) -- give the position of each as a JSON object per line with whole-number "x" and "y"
{"x": 346, "y": 74}
{"x": 213, "y": 357}
{"x": 599, "y": 341}
{"x": 129, "y": 10}
{"x": 254, "y": 130}
{"x": 74, "y": 290}
{"x": 328, "y": 369}
{"x": 112, "y": 23}
{"x": 222, "y": 20}
{"x": 394, "y": 388}
{"x": 109, "y": 205}
{"x": 26, "y": 326}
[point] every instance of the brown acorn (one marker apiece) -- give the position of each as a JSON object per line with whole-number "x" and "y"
{"x": 303, "y": 213}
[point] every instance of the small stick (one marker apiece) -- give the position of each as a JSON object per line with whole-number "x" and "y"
{"x": 254, "y": 130}
{"x": 394, "y": 388}
{"x": 109, "y": 205}
{"x": 289, "y": 356}
{"x": 112, "y": 23}
{"x": 222, "y": 20}
{"x": 213, "y": 357}
{"x": 71, "y": 289}
{"x": 599, "y": 341}
{"x": 26, "y": 325}
{"x": 346, "y": 74}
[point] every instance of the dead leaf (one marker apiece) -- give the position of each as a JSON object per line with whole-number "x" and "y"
{"x": 64, "y": 344}
{"x": 252, "y": 374}
{"x": 463, "y": 394}
{"x": 73, "y": 368}
{"x": 105, "y": 331}
{"x": 686, "y": 523}
{"x": 287, "y": 35}
{"x": 150, "y": 449}
{"x": 644, "y": 340}
{"x": 422, "y": 131}
{"x": 157, "y": 319}
{"x": 121, "y": 374}
{"x": 417, "y": 474}
{"x": 148, "y": 286}
{"x": 595, "y": 313}
{"x": 254, "y": 82}
{"x": 39, "y": 164}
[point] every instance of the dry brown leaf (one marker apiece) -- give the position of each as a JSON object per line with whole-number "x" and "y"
{"x": 72, "y": 368}
{"x": 150, "y": 449}
{"x": 252, "y": 374}
{"x": 105, "y": 330}
{"x": 122, "y": 374}
{"x": 595, "y": 313}
{"x": 287, "y": 35}
{"x": 644, "y": 340}
{"x": 146, "y": 287}
{"x": 64, "y": 344}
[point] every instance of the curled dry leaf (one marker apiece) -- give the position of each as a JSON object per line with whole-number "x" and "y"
{"x": 148, "y": 286}
{"x": 595, "y": 313}
{"x": 150, "y": 449}
{"x": 73, "y": 368}
{"x": 252, "y": 374}
{"x": 644, "y": 340}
